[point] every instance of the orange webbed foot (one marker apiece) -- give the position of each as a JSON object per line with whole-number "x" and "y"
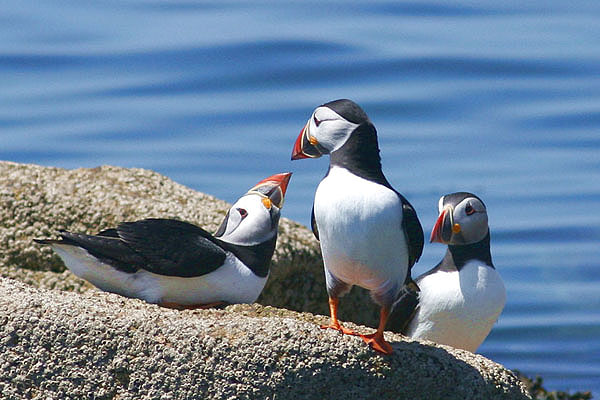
{"x": 378, "y": 343}
{"x": 335, "y": 323}
{"x": 338, "y": 327}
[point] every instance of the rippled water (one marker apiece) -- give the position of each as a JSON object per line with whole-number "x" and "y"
{"x": 499, "y": 99}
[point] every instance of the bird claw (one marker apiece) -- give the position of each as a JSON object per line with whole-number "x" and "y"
{"x": 378, "y": 343}
{"x": 338, "y": 327}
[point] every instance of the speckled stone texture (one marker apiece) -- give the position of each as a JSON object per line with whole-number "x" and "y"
{"x": 62, "y": 339}
{"x": 36, "y": 201}
{"x": 95, "y": 345}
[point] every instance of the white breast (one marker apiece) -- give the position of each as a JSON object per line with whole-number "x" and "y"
{"x": 231, "y": 283}
{"x": 360, "y": 231}
{"x": 459, "y": 308}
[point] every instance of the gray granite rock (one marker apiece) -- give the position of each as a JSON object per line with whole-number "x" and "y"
{"x": 95, "y": 345}
{"x": 36, "y": 201}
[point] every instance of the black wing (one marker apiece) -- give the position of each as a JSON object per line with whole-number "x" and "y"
{"x": 111, "y": 232}
{"x": 106, "y": 247}
{"x": 413, "y": 231}
{"x": 173, "y": 248}
{"x": 313, "y": 223}
{"x": 405, "y": 307}
{"x": 162, "y": 246}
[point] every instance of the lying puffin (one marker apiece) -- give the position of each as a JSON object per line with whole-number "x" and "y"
{"x": 457, "y": 302}
{"x": 369, "y": 233}
{"x": 179, "y": 265}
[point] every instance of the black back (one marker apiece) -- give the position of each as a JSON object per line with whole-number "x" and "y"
{"x": 168, "y": 247}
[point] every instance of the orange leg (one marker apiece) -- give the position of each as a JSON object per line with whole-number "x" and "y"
{"x": 376, "y": 340}
{"x": 178, "y": 306}
{"x": 335, "y": 324}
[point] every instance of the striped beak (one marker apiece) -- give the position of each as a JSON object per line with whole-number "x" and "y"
{"x": 272, "y": 189}
{"x": 306, "y": 146}
{"x": 444, "y": 226}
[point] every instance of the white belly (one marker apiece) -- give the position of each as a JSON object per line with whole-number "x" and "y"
{"x": 232, "y": 283}
{"x": 360, "y": 231}
{"x": 459, "y": 308}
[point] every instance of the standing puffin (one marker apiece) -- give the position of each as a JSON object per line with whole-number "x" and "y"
{"x": 369, "y": 233}
{"x": 179, "y": 265}
{"x": 461, "y": 298}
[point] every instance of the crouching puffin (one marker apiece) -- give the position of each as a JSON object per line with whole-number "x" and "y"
{"x": 457, "y": 302}
{"x": 179, "y": 265}
{"x": 369, "y": 233}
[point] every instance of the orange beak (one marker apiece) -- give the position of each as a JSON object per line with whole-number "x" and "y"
{"x": 444, "y": 227}
{"x": 436, "y": 232}
{"x": 307, "y": 146}
{"x": 297, "y": 153}
{"x": 273, "y": 188}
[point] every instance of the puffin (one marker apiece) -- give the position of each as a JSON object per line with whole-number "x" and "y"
{"x": 179, "y": 265}
{"x": 457, "y": 302}
{"x": 369, "y": 234}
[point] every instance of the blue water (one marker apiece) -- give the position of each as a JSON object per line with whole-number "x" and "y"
{"x": 498, "y": 98}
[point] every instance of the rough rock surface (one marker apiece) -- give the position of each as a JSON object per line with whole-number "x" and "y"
{"x": 36, "y": 201}
{"x": 61, "y": 345}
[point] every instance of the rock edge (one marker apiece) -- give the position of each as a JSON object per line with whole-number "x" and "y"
{"x": 96, "y": 345}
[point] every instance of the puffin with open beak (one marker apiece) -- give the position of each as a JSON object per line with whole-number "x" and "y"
{"x": 457, "y": 302}
{"x": 369, "y": 233}
{"x": 180, "y": 265}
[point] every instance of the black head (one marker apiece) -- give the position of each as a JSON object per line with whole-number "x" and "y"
{"x": 348, "y": 110}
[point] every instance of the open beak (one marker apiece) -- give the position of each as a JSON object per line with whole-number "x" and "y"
{"x": 306, "y": 146}
{"x": 444, "y": 227}
{"x": 272, "y": 189}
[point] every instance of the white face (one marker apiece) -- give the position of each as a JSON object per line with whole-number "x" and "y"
{"x": 472, "y": 217}
{"x": 250, "y": 221}
{"x": 329, "y": 128}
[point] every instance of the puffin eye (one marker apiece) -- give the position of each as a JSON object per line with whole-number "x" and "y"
{"x": 317, "y": 121}
{"x": 243, "y": 213}
{"x": 469, "y": 210}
